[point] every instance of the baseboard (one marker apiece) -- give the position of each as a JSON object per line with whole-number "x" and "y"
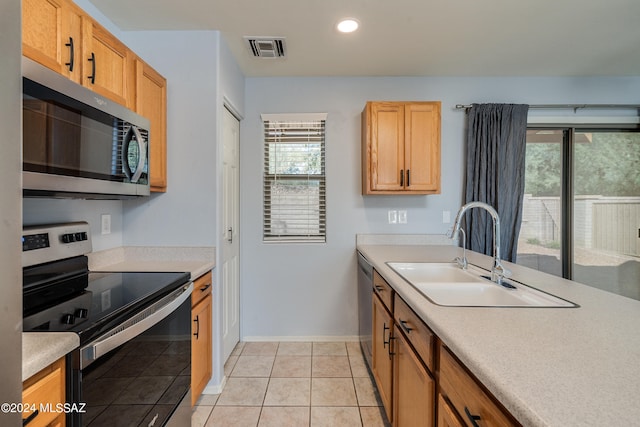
{"x": 216, "y": 388}
{"x": 316, "y": 338}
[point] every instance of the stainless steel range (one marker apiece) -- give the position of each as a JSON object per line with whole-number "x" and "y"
{"x": 133, "y": 366}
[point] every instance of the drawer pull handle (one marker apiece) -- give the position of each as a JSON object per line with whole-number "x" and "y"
{"x": 407, "y": 329}
{"x": 204, "y": 288}
{"x": 379, "y": 288}
{"x": 472, "y": 418}
{"x": 30, "y": 418}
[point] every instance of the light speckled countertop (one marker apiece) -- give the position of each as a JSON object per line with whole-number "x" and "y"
{"x": 40, "y": 349}
{"x": 195, "y": 260}
{"x": 548, "y": 366}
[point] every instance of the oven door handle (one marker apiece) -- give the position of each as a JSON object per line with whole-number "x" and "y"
{"x": 133, "y": 327}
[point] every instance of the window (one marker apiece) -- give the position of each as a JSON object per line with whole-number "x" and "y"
{"x": 581, "y": 215}
{"x": 294, "y": 178}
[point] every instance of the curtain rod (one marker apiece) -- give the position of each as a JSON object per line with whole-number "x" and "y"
{"x": 567, "y": 106}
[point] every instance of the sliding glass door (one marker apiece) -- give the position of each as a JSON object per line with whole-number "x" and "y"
{"x": 581, "y": 217}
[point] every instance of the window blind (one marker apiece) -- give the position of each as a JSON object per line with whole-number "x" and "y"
{"x": 294, "y": 178}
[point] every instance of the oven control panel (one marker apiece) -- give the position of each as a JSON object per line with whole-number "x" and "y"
{"x": 44, "y": 243}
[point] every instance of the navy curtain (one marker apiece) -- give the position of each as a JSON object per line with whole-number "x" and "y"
{"x": 495, "y": 174}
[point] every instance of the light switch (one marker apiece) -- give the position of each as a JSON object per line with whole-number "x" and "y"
{"x": 393, "y": 217}
{"x": 402, "y": 217}
{"x": 106, "y": 223}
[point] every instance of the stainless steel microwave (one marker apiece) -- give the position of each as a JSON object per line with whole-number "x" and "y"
{"x": 78, "y": 144}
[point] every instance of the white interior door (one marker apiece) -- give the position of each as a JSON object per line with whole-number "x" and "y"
{"x": 230, "y": 274}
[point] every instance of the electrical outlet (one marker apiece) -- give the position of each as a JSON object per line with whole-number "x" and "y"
{"x": 446, "y": 217}
{"x": 393, "y": 217}
{"x": 402, "y": 217}
{"x": 106, "y": 223}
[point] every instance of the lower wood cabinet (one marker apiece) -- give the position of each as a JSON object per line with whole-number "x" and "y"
{"x": 382, "y": 362}
{"x": 467, "y": 396}
{"x": 420, "y": 381}
{"x": 46, "y": 389}
{"x": 413, "y": 388}
{"x": 201, "y": 350}
{"x": 447, "y": 416}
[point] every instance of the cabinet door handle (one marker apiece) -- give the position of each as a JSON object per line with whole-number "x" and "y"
{"x": 197, "y": 333}
{"x": 385, "y": 342}
{"x": 391, "y": 353}
{"x": 30, "y": 418}
{"x": 471, "y": 417}
{"x": 401, "y": 177}
{"x": 408, "y": 178}
{"x": 407, "y": 329}
{"x": 92, "y": 77}
{"x": 71, "y": 54}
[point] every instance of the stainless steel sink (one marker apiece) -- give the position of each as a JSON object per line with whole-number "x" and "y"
{"x": 449, "y": 285}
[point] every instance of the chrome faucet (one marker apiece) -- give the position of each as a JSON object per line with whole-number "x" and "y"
{"x": 498, "y": 271}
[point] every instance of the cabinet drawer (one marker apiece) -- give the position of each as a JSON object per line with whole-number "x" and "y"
{"x": 45, "y": 388}
{"x": 447, "y": 417}
{"x": 467, "y": 396}
{"x": 384, "y": 291}
{"x": 418, "y": 334}
{"x": 201, "y": 288}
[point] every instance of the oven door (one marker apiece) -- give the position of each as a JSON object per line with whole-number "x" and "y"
{"x": 140, "y": 372}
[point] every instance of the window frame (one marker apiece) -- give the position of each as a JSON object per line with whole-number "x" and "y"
{"x": 293, "y": 121}
{"x": 567, "y": 175}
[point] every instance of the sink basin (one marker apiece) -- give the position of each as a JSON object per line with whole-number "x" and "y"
{"x": 447, "y": 284}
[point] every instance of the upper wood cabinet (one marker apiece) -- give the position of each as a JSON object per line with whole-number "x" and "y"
{"x": 151, "y": 102}
{"x": 52, "y": 35}
{"x": 401, "y": 148}
{"x": 108, "y": 64}
{"x": 61, "y": 36}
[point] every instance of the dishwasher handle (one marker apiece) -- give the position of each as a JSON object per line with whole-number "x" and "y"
{"x": 133, "y": 327}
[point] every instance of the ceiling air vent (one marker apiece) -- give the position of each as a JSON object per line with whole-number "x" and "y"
{"x": 266, "y": 47}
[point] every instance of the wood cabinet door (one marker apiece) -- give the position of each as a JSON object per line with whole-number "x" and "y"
{"x": 386, "y": 145}
{"x": 413, "y": 388}
{"x": 422, "y": 146}
{"x": 151, "y": 102}
{"x": 382, "y": 363}
{"x": 201, "y": 351}
{"x": 446, "y": 415}
{"x": 52, "y": 35}
{"x": 107, "y": 64}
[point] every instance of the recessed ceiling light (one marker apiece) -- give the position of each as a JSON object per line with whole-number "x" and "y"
{"x": 348, "y": 25}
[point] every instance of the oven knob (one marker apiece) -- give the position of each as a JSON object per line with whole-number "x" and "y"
{"x": 68, "y": 319}
{"x": 82, "y": 313}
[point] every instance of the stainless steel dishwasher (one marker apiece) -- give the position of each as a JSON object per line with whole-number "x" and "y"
{"x": 365, "y": 292}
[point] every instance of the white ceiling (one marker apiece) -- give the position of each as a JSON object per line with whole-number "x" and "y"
{"x": 411, "y": 37}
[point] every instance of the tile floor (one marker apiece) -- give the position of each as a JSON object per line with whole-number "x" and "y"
{"x": 293, "y": 384}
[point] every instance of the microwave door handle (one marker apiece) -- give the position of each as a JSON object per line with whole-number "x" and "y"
{"x": 142, "y": 158}
{"x": 133, "y": 176}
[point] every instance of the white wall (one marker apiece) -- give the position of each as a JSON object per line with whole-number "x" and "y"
{"x": 291, "y": 290}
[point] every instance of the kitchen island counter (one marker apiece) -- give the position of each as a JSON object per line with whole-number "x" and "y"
{"x": 547, "y": 366}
